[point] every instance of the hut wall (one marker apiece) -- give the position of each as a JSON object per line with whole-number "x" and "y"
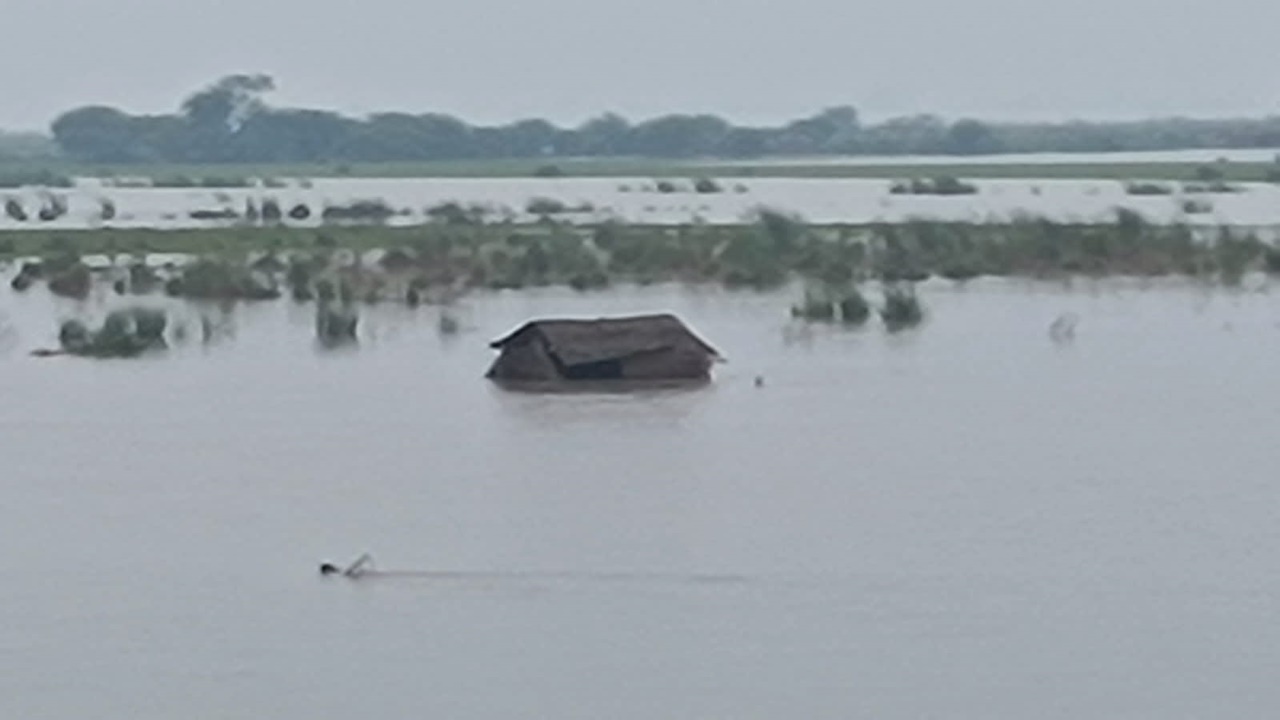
{"x": 689, "y": 363}
{"x": 524, "y": 361}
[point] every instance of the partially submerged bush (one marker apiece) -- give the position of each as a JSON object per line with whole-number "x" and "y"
{"x": 545, "y": 206}
{"x": 1194, "y": 206}
{"x": 336, "y": 324}
{"x": 901, "y": 309}
{"x": 448, "y": 324}
{"x": 1148, "y": 188}
{"x": 707, "y": 186}
{"x": 854, "y": 308}
{"x": 816, "y": 307}
{"x": 53, "y": 207}
{"x": 846, "y": 305}
{"x": 454, "y": 213}
{"x": 271, "y": 211}
{"x": 143, "y": 278}
{"x": 73, "y": 282}
{"x": 13, "y": 208}
{"x": 396, "y": 260}
{"x": 27, "y": 275}
{"x": 375, "y": 211}
{"x": 942, "y": 185}
{"x": 208, "y": 279}
{"x": 124, "y": 333}
{"x": 220, "y": 214}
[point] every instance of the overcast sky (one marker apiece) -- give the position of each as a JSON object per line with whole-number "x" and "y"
{"x": 753, "y": 61}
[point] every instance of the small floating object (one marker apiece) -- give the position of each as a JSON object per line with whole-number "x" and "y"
{"x": 759, "y": 381}
{"x": 361, "y": 566}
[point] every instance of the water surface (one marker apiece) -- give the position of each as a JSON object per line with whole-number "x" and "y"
{"x": 964, "y": 522}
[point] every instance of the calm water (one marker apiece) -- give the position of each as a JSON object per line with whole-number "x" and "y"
{"x": 635, "y": 200}
{"x": 965, "y": 522}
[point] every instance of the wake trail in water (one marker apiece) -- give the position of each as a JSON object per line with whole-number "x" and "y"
{"x": 574, "y": 577}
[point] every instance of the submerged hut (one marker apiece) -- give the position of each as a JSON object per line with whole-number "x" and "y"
{"x": 641, "y": 348}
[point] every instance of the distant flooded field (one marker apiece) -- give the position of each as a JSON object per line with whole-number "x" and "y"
{"x": 645, "y": 200}
{"x": 972, "y": 519}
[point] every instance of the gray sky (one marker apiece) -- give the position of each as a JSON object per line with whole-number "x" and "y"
{"x": 750, "y": 60}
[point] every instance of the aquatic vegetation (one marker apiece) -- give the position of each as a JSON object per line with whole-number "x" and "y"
{"x": 52, "y": 207}
{"x": 73, "y": 282}
{"x": 448, "y": 324}
{"x": 941, "y": 185}
{"x": 1212, "y": 187}
{"x": 211, "y": 279}
{"x": 397, "y": 260}
{"x": 143, "y": 278}
{"x": 124, "y": 333}
{"x": 27, "y": 275}
{"x": 545, "y": 206}
{"x": 1193, "y": 206}
{"x": 453, "y": 213}
{"x": 854, "y": 308}
{"x": 270, "y": 211}
{"x": 827, "y": 304}
{"x": 375, "y": 211}
{"x": 1148, "y": 188}
{"x": 220, "y": 214}
{"x": 816, "y": 307}
{"x": 766, "y": 250}
{"x": 901, "y": 309}
{"x": 706, "y": 186}
{"x": 14, "y": 209}
{"x": 336, "y": 323}
{"x": 210, "y": 181}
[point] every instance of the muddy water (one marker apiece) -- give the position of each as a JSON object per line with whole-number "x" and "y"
{"x": 965, "y": 522}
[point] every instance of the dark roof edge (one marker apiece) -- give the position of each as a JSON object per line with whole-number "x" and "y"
{"x": 502, "y": 341}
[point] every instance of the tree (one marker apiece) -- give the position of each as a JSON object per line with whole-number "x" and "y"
{"x": 970, "y": 137}
{"x": 100, "y": 134}
{"x": 678, "y": 136}
{"x": 604, "y": 135}
{"x": 832, "y": 130}
{"x": 229, "y": 102}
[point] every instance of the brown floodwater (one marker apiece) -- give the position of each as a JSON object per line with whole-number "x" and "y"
{"x": 966, "y": 521}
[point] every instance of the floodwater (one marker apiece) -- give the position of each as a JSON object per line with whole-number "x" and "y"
{"x": 968, "y": 521}
{"x": 636, "y": 200}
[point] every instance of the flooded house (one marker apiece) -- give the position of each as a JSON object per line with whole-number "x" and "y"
{"x": 637, "y": 348}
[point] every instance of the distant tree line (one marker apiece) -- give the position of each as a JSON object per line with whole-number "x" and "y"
{"x": 25, "y": 146}
{"x": 229, "y": 121}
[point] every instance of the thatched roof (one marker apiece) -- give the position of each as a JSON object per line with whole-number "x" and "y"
{"x": 576, "y": 342}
